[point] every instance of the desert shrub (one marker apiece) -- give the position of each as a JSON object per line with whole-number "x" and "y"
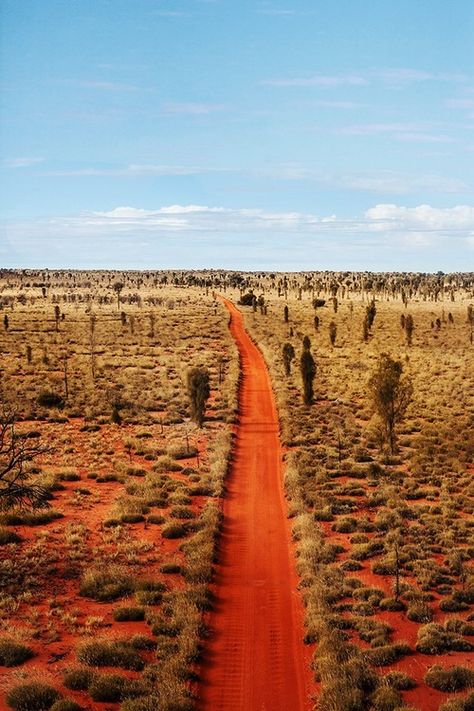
{"x": 351, "y": 565}
{"x": 110, "y": 653}
{"x": 136, "y": 471}
{"x": 419, "y": 611}
{"x": 149, "y": 597}
{"x": 157, "y": 519}
{"x": 174, "y": 530}
{"x": 29, "y": 518}
{"x": 391, "y": 604}
{"x": 171, "y": 568}
{"x": 372, "y": 631}
{"x": 105, "y": 584}
{"x": 32, "y": 697}
{"x": 132, "y": 518}
{"x": 66, "y": 705}
{"x": 104, "y": 478}
{"x": 458, "y": 626}
{"x": 181, "y": 452}
{"x": 453, "y": 604}
{"x": 47, "y": 398}
{"x": 165, "y": 463}
{"x": 13, "y": 653}
{"x": 454, "y": 679}
{"x": 181, "y": 512}
{"x": 456, "y": 705}
{"x": 7, "y": 536}
{"x": 387, "y": 654}
{"x": 129, "y": 614}
{"x": 435, "y": 639}
{"x": 386, "y": 698}
{"x": 372, "y": 595}
{"x": 78, "y": 678}
{"x": 399, "y": 680}
{"x": 114, "y": 688}
{"x": 68, "y": 476}
{"x": 141, "y": 641}
{"x": 345, "y": 525}
{"x": 363, "y": 551}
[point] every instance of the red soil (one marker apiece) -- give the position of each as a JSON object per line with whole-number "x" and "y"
{"x": 255, "y": 658}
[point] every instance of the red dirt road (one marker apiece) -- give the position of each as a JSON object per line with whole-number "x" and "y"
{"x": 255, "y": 659}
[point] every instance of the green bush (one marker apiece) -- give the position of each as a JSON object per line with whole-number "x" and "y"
{"x": 386, "y": 698}
{"x": 13, "y": 653}
{"x": 114, "y": 688}
{"x": 7, "y": 536}
{"x": 66, "y": 705}
{"x": 182, "y": 512}
{"x": 110, "y": 653}
{"x": 129, "y": 614}
{"x": 464, "y": 704}
{"x": 132, "y": 518}
{"x": 170, "y": 568}
{"x": 419, "y": 611}
{"x": 148, "y": 597}
{"x": 78, "y": 679}
{"x": 32, "y": 697}
{"x": 387, "y": 654}
{"x": 399, "y": 680}
{"x": 454, "y": 679}
{"x": 453, "y": 604}
{"x": 68, "y": 476}
{"x": 174, "y": 530}
{"x": 105, "y": 584}
{"x": 47, "y": 398}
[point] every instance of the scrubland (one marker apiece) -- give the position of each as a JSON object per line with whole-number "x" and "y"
{"x": 102, "y": 593}
{"x": 383, "y": 540}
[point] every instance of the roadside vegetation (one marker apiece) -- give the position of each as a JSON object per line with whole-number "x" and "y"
{"x": 379, "y": 430}
{"x": 117, "y": 414}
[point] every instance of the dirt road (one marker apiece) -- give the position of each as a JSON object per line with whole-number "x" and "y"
{"x": 255, "y": 659}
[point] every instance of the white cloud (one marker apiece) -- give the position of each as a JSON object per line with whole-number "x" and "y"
{"x": 23, "y": 162}
{"x": 369, "y": 129}
{"x": 385, "y": 237}
{"x": 460, "y": 103}
{"x": 395, "y": 77}
{"x": 96, "y": 85}
{"x": 389, "y": 217}
{"x": 192, "y": 108}
{"x": 344, "y": 105}
{"x": 377, "y": 182}
{"x": 134, "y": 170}
{"x": 418, "y": 137}
{"x": 320, "y": 80}
{"x": 384, "y": 218}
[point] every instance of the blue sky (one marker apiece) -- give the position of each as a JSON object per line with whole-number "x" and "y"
{"x": 249, "y": 135}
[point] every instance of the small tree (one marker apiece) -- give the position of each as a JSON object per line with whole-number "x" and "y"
{"x": 57, "y": 316}
{"x": 308, "y": 371}
{"x": 365, "y": 330}
{"x": 370, "y": 314}
{"x": 332, "y": 332}
{"x": 409, "y": 327}
{"x": 6, "y": 322}
{"x": 288, "y": 355}
{"x": 285, "y": 314}
{"x": 117, "y": 287}
{"x": 391, "y": 395}
{"x": 199, "y": 391}
{"x": 16, "y": 488}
